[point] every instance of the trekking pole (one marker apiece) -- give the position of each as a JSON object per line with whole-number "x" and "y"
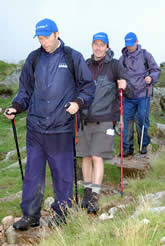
{"x": 146, "y": 102}
{"x": 75, "y": 160}
{"x": 17, "y": 147}
{"x": 75, "y": 163}
{"x": 16, "y": 143}
{"x": 121, "y": 140}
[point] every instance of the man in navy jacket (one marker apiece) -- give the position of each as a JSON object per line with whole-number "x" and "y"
{"x": 44, "y": 92}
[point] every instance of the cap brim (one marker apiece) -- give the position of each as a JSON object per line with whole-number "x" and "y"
{"x": 129, "y": 44}
{"x": 100, "y": 40}
{"x": 45, "y": 34}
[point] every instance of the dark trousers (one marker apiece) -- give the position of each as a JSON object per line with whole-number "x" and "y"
{"x": 135, "y": 110}
{"x": 57, "y": 149}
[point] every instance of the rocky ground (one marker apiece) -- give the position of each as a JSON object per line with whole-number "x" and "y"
{"x": 134, "y": 166}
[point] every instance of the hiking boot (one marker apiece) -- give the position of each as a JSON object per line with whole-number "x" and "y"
{"x": 93, "y": 203}
{"x": 86, "y": 198}
{"x": 127, "y": 153}
{"x": 25, "y": 222}
{"x": 56, "y": 220}
{"x": 144, "y": 150}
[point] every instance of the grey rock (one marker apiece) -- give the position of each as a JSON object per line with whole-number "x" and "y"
{"x": 7, "y": 222}
{"x": 158, "y": 100}
{"x": 112, "y": 211}
{"x": 154, "y": 199}
{"x": 11, "y": 79}
{"x": 145, "y": 221}
{"x": 11, "y": 153}
{"x": 11, "y": 235}
{"x": 162, "y": 240}
{"x": 158, "y": 210}
{"x": 106, "y": 216}
{"x": 11, "y": 197}
{"x": 16, "y": 164}
{"x": 149, "y": 202}
{"x": 161, "y": 129}
{"x": 48, "y": 202}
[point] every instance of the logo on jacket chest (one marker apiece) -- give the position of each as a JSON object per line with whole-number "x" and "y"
{"x": 62, "y": 65}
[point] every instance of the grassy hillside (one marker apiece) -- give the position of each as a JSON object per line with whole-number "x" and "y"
{"x": 6, "y": 69}
{"x": 81, "y": 229}
{"x": 10, "y": 179}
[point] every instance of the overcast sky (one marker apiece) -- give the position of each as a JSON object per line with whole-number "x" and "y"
{"x": 78, "y": 20}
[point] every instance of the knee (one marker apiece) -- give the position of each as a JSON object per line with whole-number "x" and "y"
{"x": 96, "y": 158}
{"x": 87, "y": 158}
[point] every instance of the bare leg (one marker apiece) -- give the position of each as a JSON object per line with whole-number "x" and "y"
{"x": 87, "y": 169}
{"x": 98, "y": 170}
{"x": 97, "y": 178}
{"x": 87, "y": 177}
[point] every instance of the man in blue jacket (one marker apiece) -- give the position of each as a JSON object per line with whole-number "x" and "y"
{"x": 44, "y": 91}
{"x": 142, "y": 73}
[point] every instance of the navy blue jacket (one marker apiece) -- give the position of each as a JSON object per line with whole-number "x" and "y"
{"x": 46, "y": 91}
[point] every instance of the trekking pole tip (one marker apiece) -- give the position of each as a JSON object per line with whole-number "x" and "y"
{"x": 122, "y": 193}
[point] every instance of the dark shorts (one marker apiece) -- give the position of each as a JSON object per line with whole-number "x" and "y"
{"x": 96, "y": 139}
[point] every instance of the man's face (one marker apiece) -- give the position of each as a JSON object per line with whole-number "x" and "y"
{"x": 132, "y": 48}
{"x": 99, "y": 49}
{"x": 49, "y": 43}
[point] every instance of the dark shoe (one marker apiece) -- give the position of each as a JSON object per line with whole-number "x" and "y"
{"x": 86, "y": 198}
{"x": 56, "y": 220}
{"x": 127, "y": 153}
{"x": 25, "y": 222}
{"x": 144, "y": 150}
{"x": 93, "y": 203}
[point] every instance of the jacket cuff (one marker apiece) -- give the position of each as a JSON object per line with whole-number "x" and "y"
{"x": 79, "y": 101}
{"x": 18, "y": 107}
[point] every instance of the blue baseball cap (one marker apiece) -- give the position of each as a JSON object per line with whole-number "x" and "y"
{"x": 130, "y": 39}
{"x": 101, "y": 36}
{"x": 45, "y": 27}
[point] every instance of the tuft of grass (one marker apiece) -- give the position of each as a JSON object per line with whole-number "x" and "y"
{"x": 10, "y": 208}
{"x": 82, "y": 229}
{"x": 112, "y": 174}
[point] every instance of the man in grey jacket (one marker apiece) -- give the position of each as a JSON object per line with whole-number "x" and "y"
{"x": 142, "y": 73}
{"x": 95, "y": 141}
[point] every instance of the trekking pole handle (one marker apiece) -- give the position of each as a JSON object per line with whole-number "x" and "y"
{"x": 67, "y": 105}
{"x": 7, "y": 112}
